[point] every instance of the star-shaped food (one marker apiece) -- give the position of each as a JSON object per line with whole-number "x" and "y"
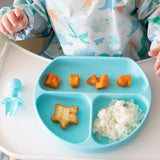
{"x": 65, "y": 115}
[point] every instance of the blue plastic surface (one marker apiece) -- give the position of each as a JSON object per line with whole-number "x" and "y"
{"x": 12, "y": 102}
{"x": 80, "y": 137}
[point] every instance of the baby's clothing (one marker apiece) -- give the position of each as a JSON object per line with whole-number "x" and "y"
{"x": 93, "y": 27}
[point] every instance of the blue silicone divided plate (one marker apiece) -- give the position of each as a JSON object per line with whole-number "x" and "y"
{"x": 89, "y": 100}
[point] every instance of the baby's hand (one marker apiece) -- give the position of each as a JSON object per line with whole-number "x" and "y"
{"x": 13, "y": 21}
{"x": 156, "y": 52}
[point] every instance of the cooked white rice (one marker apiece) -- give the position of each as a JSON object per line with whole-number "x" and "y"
{"x": 117, "y": 120}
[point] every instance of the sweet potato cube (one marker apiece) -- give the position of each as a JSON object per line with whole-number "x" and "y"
{"x": 74, "y": 80}
{"x": 52, "y": 81}
{"x": 124, "y": 80}
{"x": 102, "y": 81}
{"x": 92, "y": 79}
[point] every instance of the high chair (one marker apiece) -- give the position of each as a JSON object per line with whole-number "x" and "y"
{"x": 22, "y": 136}
{"x": 38, "y": 46}
{"x": 48, "y": 47}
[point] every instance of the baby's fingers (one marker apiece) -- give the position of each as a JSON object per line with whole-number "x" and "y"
{"x": 7, "y": 24}
{"x": 154, "y": 52}
{"x": 158, "y": 72}
{"x": 23, "y": 23}
{"x": 157, "y": 65}
{"x": 2, "y": 29}
{"x": 12, "y": 17}
{"x": 22, "y": 18}
{"x": 18, "y": 12}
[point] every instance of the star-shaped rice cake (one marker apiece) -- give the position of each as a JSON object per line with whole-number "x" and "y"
{"x": 65, "y": 115}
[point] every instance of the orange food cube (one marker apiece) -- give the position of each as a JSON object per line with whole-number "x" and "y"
{"x": 52, "y": 81}
{"x": 124, "y": 80}
{"x": 74, "y": 80}
{"x": 102, "y": 81}
{"x": 92, "y": 79}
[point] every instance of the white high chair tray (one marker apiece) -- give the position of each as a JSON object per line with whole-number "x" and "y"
{"x": 23, "y": 137}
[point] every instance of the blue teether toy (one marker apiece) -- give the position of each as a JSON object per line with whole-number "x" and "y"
{"x": 12, "y": 102}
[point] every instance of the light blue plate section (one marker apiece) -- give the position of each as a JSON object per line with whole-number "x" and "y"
{"x": 88, "y": 99}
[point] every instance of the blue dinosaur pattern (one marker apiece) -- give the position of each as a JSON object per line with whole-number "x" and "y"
{"x": 93, "y": 27}
{"x": 98, "y": 41}
{"x": 63, "y": 40}
{"x": 134, "y": 27}
{"x": 109, "y": 4}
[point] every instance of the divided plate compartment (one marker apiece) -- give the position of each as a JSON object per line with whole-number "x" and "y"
{"x": 89, "y": 100}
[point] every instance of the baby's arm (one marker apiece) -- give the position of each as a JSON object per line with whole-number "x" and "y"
{"x": 13, "y": 21}
{"x": 149, "y": 11}
{"x": 37, "y": 25}
{"x": 156, "y": 52}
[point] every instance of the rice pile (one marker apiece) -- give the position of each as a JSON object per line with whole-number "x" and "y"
{"x": 117, "y": 120}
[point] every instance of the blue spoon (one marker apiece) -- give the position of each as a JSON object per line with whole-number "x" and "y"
{"x": 13, "y": 102}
